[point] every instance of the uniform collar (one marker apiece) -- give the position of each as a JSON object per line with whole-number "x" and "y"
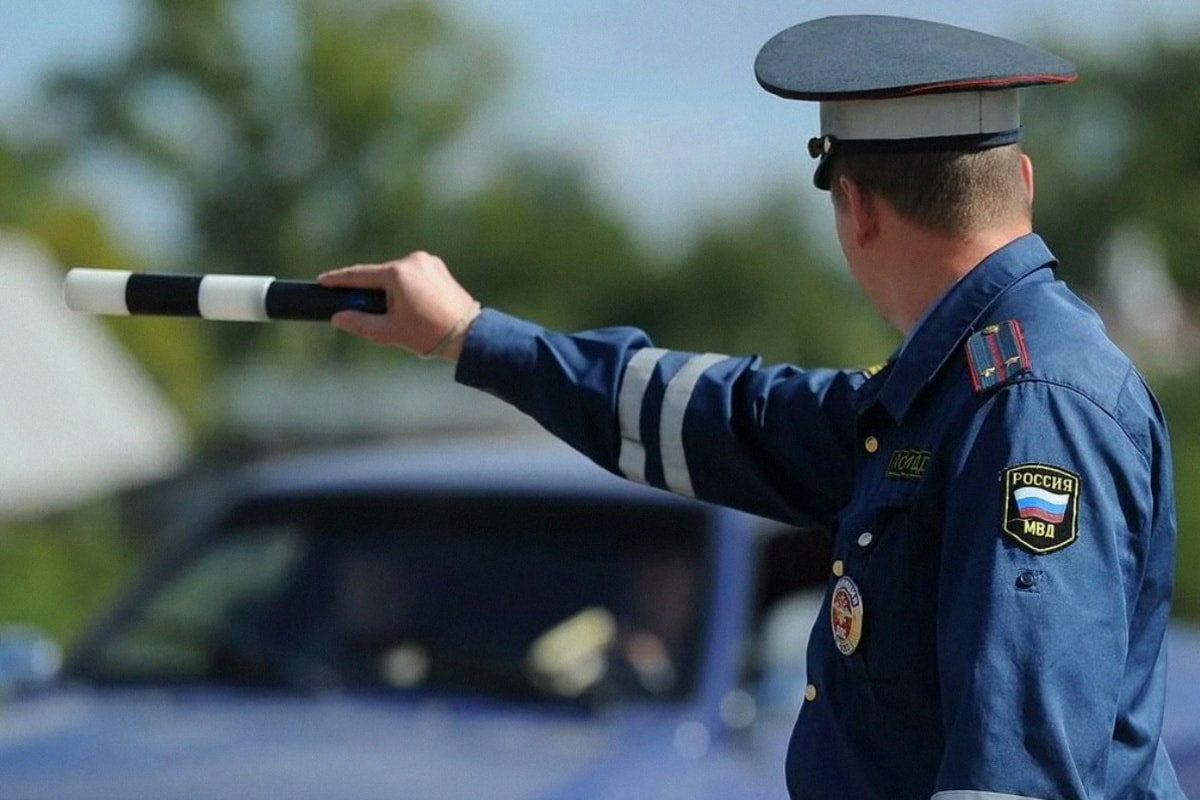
{"x": 953, "y": 317}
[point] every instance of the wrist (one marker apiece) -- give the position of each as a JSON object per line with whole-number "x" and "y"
{"x": 449, "y": 346}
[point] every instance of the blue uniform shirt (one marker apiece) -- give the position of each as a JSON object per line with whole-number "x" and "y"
{"x": 1000, "y": 497}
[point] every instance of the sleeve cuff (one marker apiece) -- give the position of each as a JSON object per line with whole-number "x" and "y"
{"x": 497, "y": 349}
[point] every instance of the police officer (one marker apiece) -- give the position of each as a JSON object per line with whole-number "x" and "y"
{"x": 1000, "y": 493}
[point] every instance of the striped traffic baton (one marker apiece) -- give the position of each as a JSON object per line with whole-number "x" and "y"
{"x": 232, "y": 298}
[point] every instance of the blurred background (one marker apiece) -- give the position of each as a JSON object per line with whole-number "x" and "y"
{"x": 583, "y": 164}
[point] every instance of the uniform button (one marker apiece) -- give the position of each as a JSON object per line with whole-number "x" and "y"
{"x": 838, "y": 568}
{"x": 871, "y": 444}
{"x": 865, "y": 538}
{"x": 810, "y": 693}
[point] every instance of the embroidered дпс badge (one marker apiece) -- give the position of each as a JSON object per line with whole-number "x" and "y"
{"x": 908, "y": 465}
{"x": 1041, "y": 506}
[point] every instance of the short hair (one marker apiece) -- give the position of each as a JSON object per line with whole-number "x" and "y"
{"x": 948, "y": 192}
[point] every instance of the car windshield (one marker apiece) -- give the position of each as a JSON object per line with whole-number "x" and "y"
{"x": 538, "y": 597}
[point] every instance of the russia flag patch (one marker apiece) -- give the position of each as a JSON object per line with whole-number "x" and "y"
{"x": 1035, "y": 503}
{"x": 1041, "y": 506}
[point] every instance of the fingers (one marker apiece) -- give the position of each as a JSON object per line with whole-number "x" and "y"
{"x": 360, "y": 276}
{"x": 374, "y": 327}
{"x": 425, "y": 302}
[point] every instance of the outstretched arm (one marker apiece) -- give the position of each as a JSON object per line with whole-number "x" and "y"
{"x": 770, "y": 440}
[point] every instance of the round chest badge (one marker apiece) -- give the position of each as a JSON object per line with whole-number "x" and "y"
{"x": 846, "y": 616}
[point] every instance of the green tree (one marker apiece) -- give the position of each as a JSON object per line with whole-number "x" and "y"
{"x": 297, "y": 135}
{"x": 538, "y": 241}
{"x": 32, "y": 202}
{"x": 293, "y": 136}
{"x": 54, "y": 572}
{"x": 756, "y": 284}
{"x": 1115, "y": 149}
{"x": 315, "y": 135}
{"x": 1119, "y": 146}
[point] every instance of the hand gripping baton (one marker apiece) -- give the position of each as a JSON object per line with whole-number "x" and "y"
{"x": 232, "y": 298}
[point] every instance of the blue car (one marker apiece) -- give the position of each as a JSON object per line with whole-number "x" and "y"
{"x": 493, "y": 619}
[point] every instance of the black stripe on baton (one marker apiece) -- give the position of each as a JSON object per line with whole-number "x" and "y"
{"x": 167, "y": 295}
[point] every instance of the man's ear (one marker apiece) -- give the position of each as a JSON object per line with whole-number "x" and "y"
{"x": 861, "y": 210}
{"x": 1027, "y": 176}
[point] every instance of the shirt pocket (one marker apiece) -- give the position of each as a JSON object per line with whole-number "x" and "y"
{"x": 896, "y": 557}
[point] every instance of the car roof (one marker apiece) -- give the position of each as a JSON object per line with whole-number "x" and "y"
{"x": 521, "y": 464}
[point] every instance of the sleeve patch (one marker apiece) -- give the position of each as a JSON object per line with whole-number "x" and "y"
{"x": 997, "y": 355}
{"x": 1041, "y": 507}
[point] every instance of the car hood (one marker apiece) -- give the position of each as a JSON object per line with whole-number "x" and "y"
{"x": 75, "y": 745}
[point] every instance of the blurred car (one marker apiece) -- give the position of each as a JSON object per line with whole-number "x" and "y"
{"x": 499, "y": 620}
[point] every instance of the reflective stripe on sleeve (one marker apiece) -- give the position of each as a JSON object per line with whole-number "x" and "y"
{"x": 675, "y": 403}
{"x": 631, "y": 461}
{"x": 968, "y": 794}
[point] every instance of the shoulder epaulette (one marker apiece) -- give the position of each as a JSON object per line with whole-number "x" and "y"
{"x": 996, "y": 355}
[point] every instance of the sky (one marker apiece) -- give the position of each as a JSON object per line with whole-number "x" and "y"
{"x": 657, "y": 96}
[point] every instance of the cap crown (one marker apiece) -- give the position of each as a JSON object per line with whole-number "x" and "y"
{"x": 866, "y": 56}
{"x": 894, "y": 85}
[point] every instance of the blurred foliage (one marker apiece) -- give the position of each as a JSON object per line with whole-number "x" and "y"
{"x": 58, "y": 573}
{"x": 32, "y": 202}
{"x": 1119, "y": 146}
{"x": 35, "y": 202}
{"x": 1178, "y": 396}
{"x": 755, "y": 285}
{"x": 536, "y": 241}
{"x": 297, "y": 135}
{"x": 314, "y": 133}
{"x": 1118, "y": 150}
